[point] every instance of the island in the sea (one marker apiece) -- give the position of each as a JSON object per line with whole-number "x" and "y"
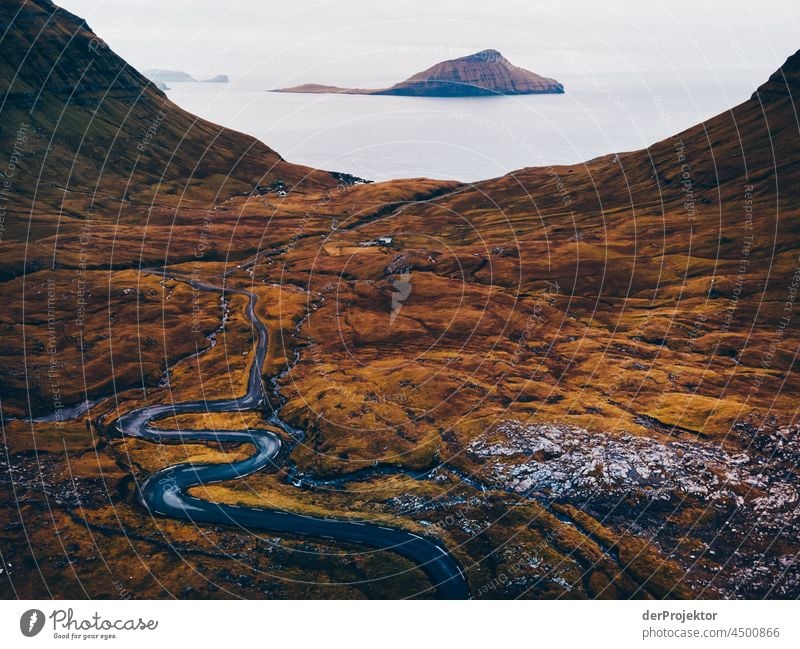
{"x": 480, "y": 74}
{"x": 176, "y": 76}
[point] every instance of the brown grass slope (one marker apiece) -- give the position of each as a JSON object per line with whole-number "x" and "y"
{"x": 99, "y": 171}
{"x": 89, "y": 135}
{"x": 675, "y": 270}
{"x": 648, "y": 293}
{"x": 645, "y": 298}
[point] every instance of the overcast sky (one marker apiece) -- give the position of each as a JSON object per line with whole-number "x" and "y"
{"x": 368, "y": 42}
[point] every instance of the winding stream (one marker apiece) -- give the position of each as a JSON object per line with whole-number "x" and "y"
{"x": 165, "y": 492}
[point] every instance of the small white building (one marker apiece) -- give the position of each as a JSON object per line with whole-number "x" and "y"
{"x": 385, "y": 241}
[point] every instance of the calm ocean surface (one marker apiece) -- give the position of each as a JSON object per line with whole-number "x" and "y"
{"x": 380, "y": 138}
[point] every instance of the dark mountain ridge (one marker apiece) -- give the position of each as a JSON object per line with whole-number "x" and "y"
{"x": 95, "y": 124}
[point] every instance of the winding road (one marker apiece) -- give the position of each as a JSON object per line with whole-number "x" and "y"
{"x": 165, "y": 492}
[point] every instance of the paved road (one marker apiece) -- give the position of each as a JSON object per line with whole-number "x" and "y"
{"x": 165, "y": 492}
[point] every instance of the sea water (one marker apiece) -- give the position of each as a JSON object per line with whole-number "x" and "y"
{"x": 381, "y": 138}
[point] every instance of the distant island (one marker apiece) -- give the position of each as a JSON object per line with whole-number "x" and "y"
{"x": 481, "y": 74}
{"x": 176, "y": 76}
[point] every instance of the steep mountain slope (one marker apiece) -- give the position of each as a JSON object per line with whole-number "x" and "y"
{"x": 582, "y": 379}
{"x": 483, "y": 73}
{"x": 99, "y": 171}
{"x": 90, "y": 124}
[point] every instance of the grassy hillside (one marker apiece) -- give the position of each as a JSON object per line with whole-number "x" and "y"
{"x": 88, "y": 136}
{"x": 582, "y": 379}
